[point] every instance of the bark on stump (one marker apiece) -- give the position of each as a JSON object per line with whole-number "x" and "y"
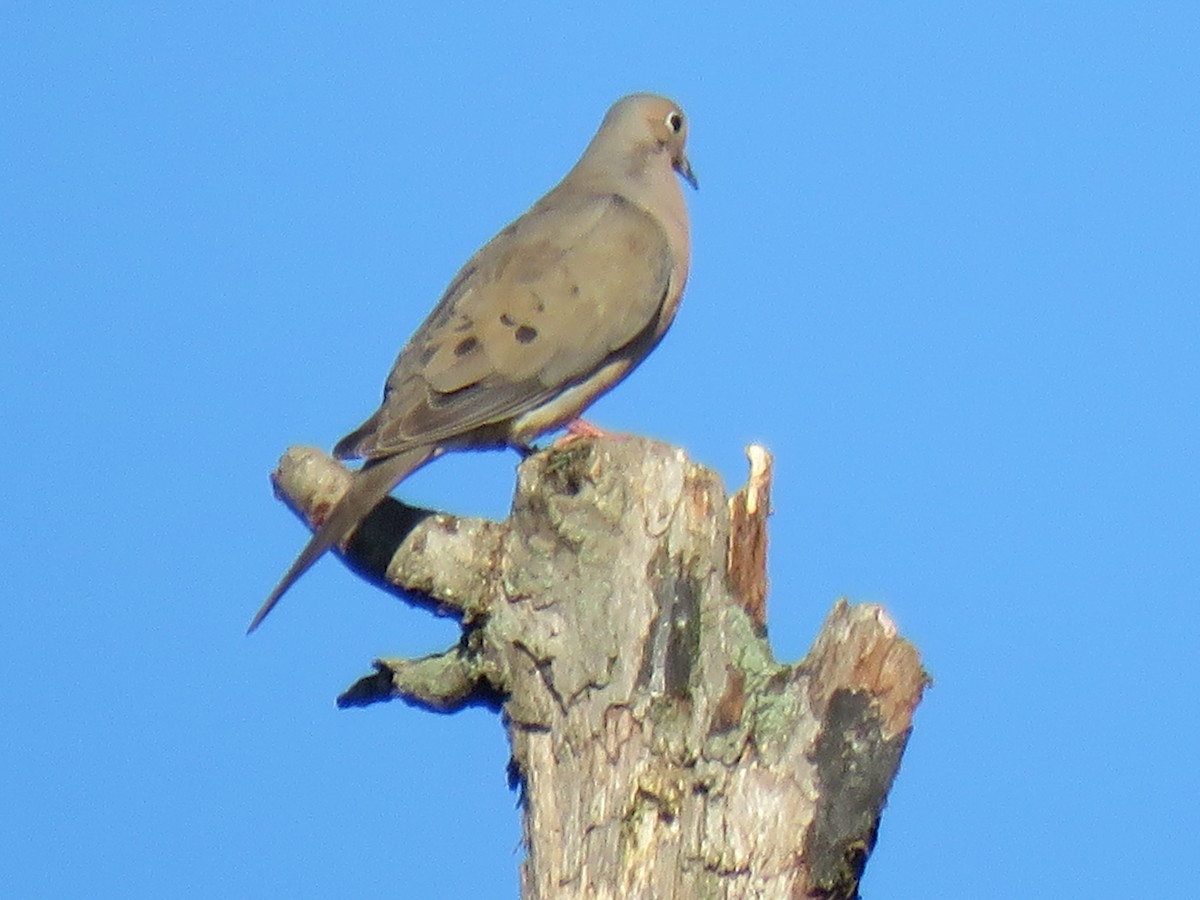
{"x": 617, "y": 619}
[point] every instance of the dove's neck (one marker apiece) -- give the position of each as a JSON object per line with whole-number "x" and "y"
{"x": 664, "y": 200}
{"x": 648, "y": 180}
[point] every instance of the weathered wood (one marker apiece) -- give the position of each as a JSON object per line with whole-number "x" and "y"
{"x": 617, "y": 619}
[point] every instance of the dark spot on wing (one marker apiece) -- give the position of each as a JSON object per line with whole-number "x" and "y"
{"x": 428, "y": 352}
{"x": 465, "y": 346}
{"x": 525, "y": 334}
{"x": 574, "y": 290}
{"x": 506, "y": 319}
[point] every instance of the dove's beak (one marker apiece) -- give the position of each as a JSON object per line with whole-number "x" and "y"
{"x": 684, "y": 168}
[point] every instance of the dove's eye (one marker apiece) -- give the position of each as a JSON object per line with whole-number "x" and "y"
{"x": 674, "y": 121}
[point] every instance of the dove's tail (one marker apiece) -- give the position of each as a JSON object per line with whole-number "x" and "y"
{"x": 370, "y": 485}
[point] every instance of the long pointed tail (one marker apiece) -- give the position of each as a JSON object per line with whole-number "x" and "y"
{"x": 370, "y": 485}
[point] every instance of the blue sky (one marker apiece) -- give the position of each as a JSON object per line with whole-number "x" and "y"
{"x": 945, "y": 268}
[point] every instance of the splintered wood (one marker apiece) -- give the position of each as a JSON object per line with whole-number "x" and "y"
{"x": 748, "y": 511}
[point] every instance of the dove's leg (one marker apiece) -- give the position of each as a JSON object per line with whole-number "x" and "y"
{"x": 581, "y": 428}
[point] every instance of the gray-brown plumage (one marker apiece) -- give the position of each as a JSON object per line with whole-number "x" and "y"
{"x": 546, "y": 317}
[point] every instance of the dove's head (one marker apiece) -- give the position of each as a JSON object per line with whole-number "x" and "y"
{"x": 644, "y": 131}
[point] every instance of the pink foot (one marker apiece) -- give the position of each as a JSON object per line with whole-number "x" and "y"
{"x": 580, "y": 428}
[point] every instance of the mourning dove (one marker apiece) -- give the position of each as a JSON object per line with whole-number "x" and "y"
{"x": 551, "y": 313}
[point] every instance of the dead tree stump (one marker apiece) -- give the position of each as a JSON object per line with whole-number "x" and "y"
{"x": 617, "y": 619}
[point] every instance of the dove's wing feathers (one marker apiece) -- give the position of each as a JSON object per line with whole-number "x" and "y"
{"x": 551, "y": 302}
